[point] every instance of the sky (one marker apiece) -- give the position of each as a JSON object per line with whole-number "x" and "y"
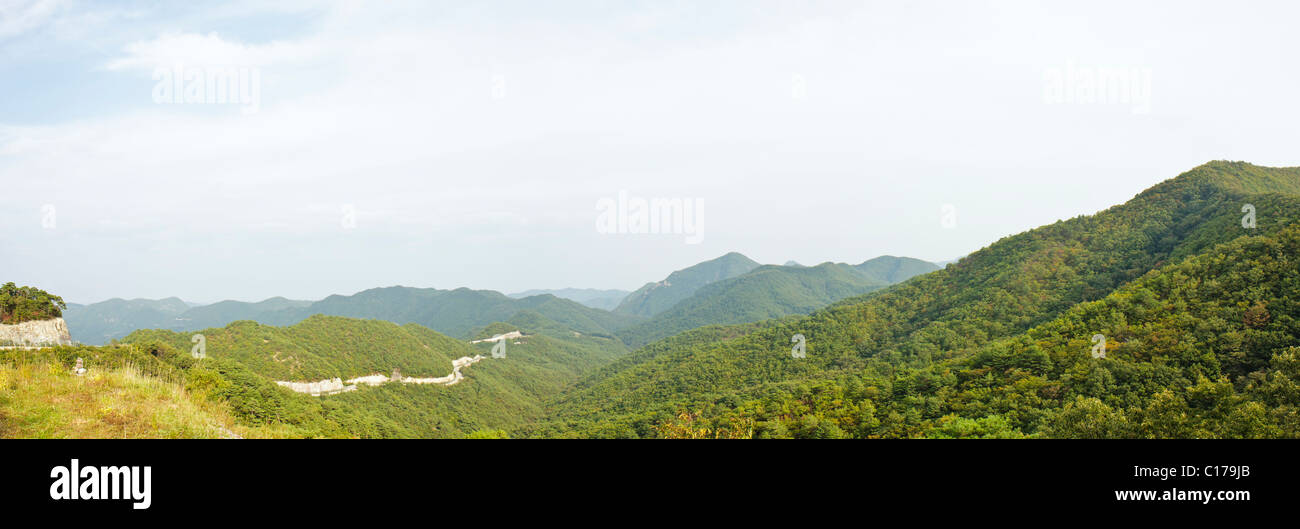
{"x": 511, "y": 145}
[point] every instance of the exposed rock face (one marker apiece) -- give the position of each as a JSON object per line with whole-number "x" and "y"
{"x": 36, "y": 333}
{"x": 316, "y": 389}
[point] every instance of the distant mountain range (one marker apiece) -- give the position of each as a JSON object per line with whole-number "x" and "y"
{"x": 100, "y": 323}
{"x": 591, "y": 297}
{"x": 677, "y": 303}
{"x": 456, "y": 312}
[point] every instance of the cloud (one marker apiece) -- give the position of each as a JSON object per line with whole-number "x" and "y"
{"x": 209, "y": 50}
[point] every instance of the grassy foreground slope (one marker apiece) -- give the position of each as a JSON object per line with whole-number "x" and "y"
{"x": 46, "y": 400}
{"x": 948, "y": 316}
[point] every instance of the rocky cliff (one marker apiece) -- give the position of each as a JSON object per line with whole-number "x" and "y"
{"x": 36, "y": 333}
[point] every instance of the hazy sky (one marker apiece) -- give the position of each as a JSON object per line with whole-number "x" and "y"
{"x": 449, "y": 144}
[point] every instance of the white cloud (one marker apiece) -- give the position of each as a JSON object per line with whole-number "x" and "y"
{"x": 209, "y": 50}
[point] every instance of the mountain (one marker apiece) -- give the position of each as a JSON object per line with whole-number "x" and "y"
{"x": 591, "y": 297}
{"x": 889, "y": 269}
{"x": 457, "y": 312}
{"x": 654, "y": 298}
{"x": 223, "y": 312}
{"x": 960, "y": 351}
{"x": 772, "y": 291}
{"x": 100, "y": 323}
{"x": 454, "y": 312}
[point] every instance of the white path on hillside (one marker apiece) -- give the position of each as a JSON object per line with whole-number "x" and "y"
{"x": 498, "y": 337}
{"x": 336, "y": 385}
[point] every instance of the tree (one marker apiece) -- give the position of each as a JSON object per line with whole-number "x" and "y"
{"x": 20, "y": 304}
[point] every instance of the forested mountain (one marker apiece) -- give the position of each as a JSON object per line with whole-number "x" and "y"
{"x": 772, "y": 291}
{"x": 654, "y": 298}
{"x": 591, "y": 297}
{"x": 895, "y": 363}
{"x": 99, "y": 323}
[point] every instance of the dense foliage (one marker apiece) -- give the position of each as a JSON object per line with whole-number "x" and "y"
{"x": 20, "y": 304}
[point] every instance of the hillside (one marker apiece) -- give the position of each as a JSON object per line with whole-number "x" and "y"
{"x": 947, "y": 316}
{"x": 772, "y": 291}
{"x": 321, "y": 347}
{"x": 1206, "y": 348}
{"x": 244, "y": 359}
{"x": 654, "y": 298}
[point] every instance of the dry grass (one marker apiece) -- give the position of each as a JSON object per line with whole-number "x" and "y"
{"x": 49, "y": 401}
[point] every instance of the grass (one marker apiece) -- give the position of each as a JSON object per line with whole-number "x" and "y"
{"x": 46, "y": 400}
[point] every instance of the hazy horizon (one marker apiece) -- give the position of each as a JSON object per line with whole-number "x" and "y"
{"x": 465, "y": 145}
